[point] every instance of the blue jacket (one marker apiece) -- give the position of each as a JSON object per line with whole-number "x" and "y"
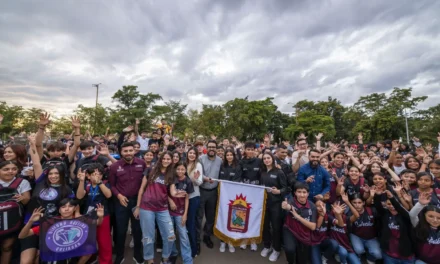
{"x": 321, "y": 185}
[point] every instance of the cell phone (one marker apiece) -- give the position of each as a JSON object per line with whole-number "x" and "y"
{"x": 400, "y": 140}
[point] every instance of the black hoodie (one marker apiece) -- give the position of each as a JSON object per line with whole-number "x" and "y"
{"x": 251, "y": 171}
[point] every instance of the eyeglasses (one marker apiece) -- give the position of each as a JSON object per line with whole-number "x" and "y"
{"x": 211, "y": 147}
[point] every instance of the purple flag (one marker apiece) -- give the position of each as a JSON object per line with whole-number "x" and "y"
{"x": 63, "y": 239}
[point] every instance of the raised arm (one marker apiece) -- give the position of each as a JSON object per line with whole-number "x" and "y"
{"x": 44, "y": 121}
{"x": 38, "y": 170}
{"x": 76, "y": 124}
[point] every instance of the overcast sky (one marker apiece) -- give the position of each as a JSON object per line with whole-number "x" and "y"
{"x": 203, "y": 52}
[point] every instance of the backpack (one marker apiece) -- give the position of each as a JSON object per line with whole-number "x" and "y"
{"x": 11, "y": 211}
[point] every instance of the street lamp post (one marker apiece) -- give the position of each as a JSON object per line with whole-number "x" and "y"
{"x": 406, "y": 125}
{"x": 96, "y": 104}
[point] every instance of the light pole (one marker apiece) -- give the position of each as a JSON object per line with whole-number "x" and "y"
{"x": 96, "y": 105}
{"x": 406, "y": 125}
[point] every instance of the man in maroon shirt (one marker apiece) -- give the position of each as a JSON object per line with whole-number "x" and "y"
{"x": 125, "y": 180}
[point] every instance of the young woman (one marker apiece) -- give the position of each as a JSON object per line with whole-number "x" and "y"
{"x": 434, "y": 169}
{"x": 16, "y": 153}
{"x": 426, "y": 220}
{"x": 152, "y": 206}
{"x": 14, "y": 189}
{"x": 424, "y": 185}
{"x": 413, "y": 164}
{"x": 320, "y": 241}
{"x": 149, "y": 158}
{"x": 195, "y": 173}
{"x": 353, "y": 184}
{"x": 68, "y": 210}
{"x": 409, "y": 179}
{"x": 363, "y": 234}
{"x": 176, "y": 157}
{"x": 297, "y": 230}
{"x": 276, "y": 187}
{"x": 338, "y": 231}
{"x": 179, "y": 213}
{"x": 395, "y": 234}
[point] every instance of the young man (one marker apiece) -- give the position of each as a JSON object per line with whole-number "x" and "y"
{"x": 142, "y": 138}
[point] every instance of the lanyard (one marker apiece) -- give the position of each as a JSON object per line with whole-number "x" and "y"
{"x": 93, "y": 191}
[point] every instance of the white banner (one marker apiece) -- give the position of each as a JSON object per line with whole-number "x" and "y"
{"x": 240, "y": 213}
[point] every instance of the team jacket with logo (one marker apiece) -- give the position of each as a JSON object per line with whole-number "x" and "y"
{"x": 230, "y": 173}
{"x": 251, "y": 171}
{"x": 275, "y": 178}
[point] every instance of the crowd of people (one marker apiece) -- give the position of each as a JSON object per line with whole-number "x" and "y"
{"x": 376, "y": 202}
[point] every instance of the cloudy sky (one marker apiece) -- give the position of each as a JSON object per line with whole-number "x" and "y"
{"x": 203, "y": 52}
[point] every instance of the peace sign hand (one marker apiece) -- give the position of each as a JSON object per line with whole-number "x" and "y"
{"x": 37, "y": 214}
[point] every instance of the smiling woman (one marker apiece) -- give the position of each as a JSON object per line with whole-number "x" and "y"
{"x": 16, "y": 153}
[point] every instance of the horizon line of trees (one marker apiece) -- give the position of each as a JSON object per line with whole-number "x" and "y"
{"x": 378, "y": 116}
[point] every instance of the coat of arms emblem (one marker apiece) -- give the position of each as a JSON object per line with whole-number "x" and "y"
{"x": 238, "y": 214}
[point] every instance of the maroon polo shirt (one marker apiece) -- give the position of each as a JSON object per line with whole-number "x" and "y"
{"x": 126, "y": 178}
{"x": 340, "y": 234}
{"x": 300, "y": 231}
{"x": 320, "y": 234}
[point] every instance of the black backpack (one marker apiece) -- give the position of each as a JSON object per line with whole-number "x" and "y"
{"x": 11, "y": 211}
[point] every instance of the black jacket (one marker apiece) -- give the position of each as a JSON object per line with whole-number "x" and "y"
{"x": 230, "y": 173}
{"x": 275, "y": 178}
{"x": 251, "y": 171}
{"x": 406, "y": 247}
{"x": 290, "y": 175}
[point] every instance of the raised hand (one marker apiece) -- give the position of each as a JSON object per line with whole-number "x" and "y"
{"x": 384, "y": 165}
{"x": 319, "y": 136}
{"x": 31, "y": 139}
{"x": 81, "y": 175}
{"x": 100, "y": 210}
{"x": 395, "y": 144}
{"x": 407, "y": 197}
{"x": 360, "y": 136}
{"x": 37, "y": 214}
{"x": 76, "y": 123}
{"x": 127, "y": 129}
{"x": 366, "y": 162}
{"x": 344, "y": 197}
{"x": 302, "y": 136}
{"x": 338, "y": 208}
{"x": 373, "y": 190}
{"x": 415, "y": 139}
{"x": 285, "y": 205}
{"x": 234, "y": 139}
{"x": 389, "y": 194}
{"x": 213, "y": 137}
{"x": 137, "y": 121}
{"x": 398, "y": 187}
{"x": 196, "y": 174}
{"x": 428, "y": 147}
{"x": 44, "y": 119}
{"x": 104, "y": 150}
{"x": 425, "y": 198}
{"x": 427, "y": 159}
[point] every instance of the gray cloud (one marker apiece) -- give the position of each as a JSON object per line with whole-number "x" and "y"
{"x": 213, "y": 51}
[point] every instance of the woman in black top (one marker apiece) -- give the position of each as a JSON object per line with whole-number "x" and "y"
{"x": 230, "y": 169}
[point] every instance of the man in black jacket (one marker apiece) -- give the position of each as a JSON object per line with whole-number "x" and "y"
{"x": 280, "y": 161}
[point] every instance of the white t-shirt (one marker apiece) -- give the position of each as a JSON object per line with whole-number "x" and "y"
{"x": 398, "y": 170}
{"x": 23, "y": 187}
{"x": 304, "y": 159}
{"x": 143, "y": 143}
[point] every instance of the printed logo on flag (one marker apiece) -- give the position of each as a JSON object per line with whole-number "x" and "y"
{"x": 66, "y": 236}
{"x": 238, "y": 214}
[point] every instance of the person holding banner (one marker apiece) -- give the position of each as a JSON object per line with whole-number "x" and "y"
{"x": 276, "y": 182}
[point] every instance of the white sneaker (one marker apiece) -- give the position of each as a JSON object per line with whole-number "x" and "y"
{"x": 231, "y": 248}
{"x": 371, "y": 262}
{"x": 244, "y": 246}
{"x": 222, "y": 247}
{"x": 254, "y": 247}
{"x": 265, "y": 252}
{"x": 337, "y": 258}
{"x": 131, "y": 243}
{"x": 324, "y": 260}
{"x": 274, "y": 256}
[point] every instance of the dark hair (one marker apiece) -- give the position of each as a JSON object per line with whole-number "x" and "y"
{"x": 314, "y": 150}
{"x": 249, "y": 144}
{"x": 339, "y": 153}
{"x": 20, "y": 153}
{"x": 300, "y": 139}
{"x": 193, "y": 166}
{"x": 180, "y": 163}
{"x": 135, "y": 143}
{"x": 354, "y": 167}
{"x": 273, "y": 161}
{"x": 7, "y": 162}
{"x": 281, "y": 146}
{"x": 220, "y": 147}
{"x": 127, "y": 144}
{"x": 86, "y": 144}
{"x": 212, "y": 141}
{"x": 234, "y": 159}
{"x": 355, "y": 196}
{"x": 407, "y": 160}
{"x": 64, "y": 190}
{"x": 56, "y": 146}
{"x": 422, "y": 229}
{"x": 178, "y": 154}
{"x": 301, "y": 185}
{"x": 436, "y": 162}
{"x": 71, "y": 201}
{"x": 95, "y": 166}
{"x": 407, "y": 171}
{"x": 421, "y": 174}
{"x": 157, "y": 170}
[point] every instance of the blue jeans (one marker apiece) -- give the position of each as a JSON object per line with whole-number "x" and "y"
{"x": 344, "y": 255}
{"x": 390, "y": 260}
{"x": 185, "y": 247}
{"x": 326, "y": 248}
{"x": 163, "y": 219}
{"x": 193, "y": 207}
{"x": 372, "y": 247}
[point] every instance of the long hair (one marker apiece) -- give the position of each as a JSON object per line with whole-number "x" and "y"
{"x": 407, "y": 161}
{"x": 264, "y": 167}
{"x": 234, "y": 158}
{"x": 157, "y": 170}
{"x": 423, "y": 228}
{"x": 190, "y": 166}
{"x": 21, "y": 155}
{"x": 7, "y": 162}
{"x": 64, "y": 191}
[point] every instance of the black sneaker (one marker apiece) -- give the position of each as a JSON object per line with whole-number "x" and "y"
{"x": 208, "y": 242}
{"x": 138, "y": 261}
{"x": 198, "y": 249}
{"x": 119, "y": 260}
{"x": 172, "y": 259}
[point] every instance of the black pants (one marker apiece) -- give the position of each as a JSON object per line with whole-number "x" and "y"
{"x": 208, "y": 204}
{"x": 123, "y": 215}
{"x": 273, "y": 217}
{"x": 295, "y": 250}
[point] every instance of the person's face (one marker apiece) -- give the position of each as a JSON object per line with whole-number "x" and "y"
{"x": 211, "y": 149}
{"x": 136, "y": 148}
{"x": 176, "y": 158}
{"x": 433, "y": 218}
{"x": 55, "y": 153}
{"x": 375, "y": 168}
{"x": 267, "y": 160}
{"x": 339, "y": 159}
{"x": 67, "y": 211}
{"x": 324, "y": 163}
{"x": 153, "y": 147}
{"x": 221, "y": 153}
{"x": 96, "y": 138}
{"x": 353, "y": 173}
{"x": 390, "y": 207}
{"x": 398, "y": 159}
{"x": 191, "y": 155}
{"x": 302, "y": 145}
{"x": 371, "y": 154}
{"x": 409, "y": 178}
{"x": 229, "y": 157}
{"x": 156, "y": 136}
{"x": 166, "y": 161}
{"x": 225, "y": 142}
{"x": 87, "y": 152}
{"x": 148, "y": 157}
{"x": 144, "y": 135}
{"x": 363, "y": 156}
{"x": 435, "y": 169}
{"x": 200, "y": 148}
{"x": 8, "y": 172}
{"x": 379, "y": 181}
{"x": 282, "y": 153}
{"x": 66, "y": 136}
{"x": 54, "y": 176}
{"x": 180, "y": 148}
{"x": 127, "y": 153}
{"x": 413, "y": 164}
{"x": 250, "y": 152}
{"x": 180, "y": 170}
{"x": 314, "y": 159}
{"x": 9, "y": 154}
{"x": 358, "y": 204}
{"x": 319, "y": 204}
{"x": 301, "y": 195}
{"x": 375, "y": 159}
{"x": 424, "y": 182}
